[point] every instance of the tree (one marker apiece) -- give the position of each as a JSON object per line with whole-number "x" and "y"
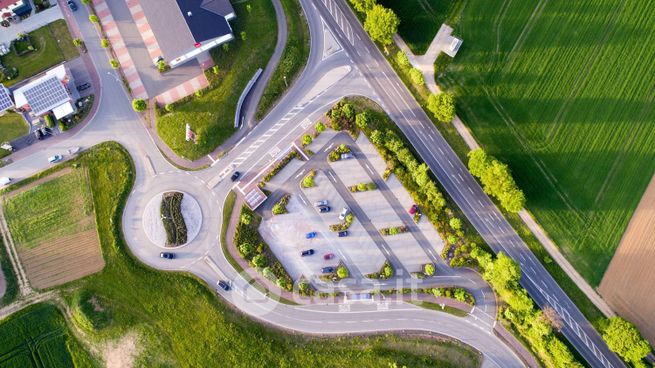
{"x": 496, "y": 180}
{"x": 104, "y": 43}
{"x": 244, "y": 36}
{"x": 361, "y": 120}
{"x": 306, "y": 140}
{"x": 259, "y": 261}
{"x": 504, "y": 273}
{"x": 320, "y": 127}
{"x": 348, "y": 111}
{"x": 442, "y": 106}
{"x": 553, "y": 318}
{"x": 428, "y": 269}
{"x": 561, "y": 354}
{"x": 455, "y": 223}
{"x": 623, "y": 338}
{"x": 381, "y": 24}
{"x": 139, "y": 104}
{"x": 416, "y": 76}
{"x": 268, "y": 273}
{"x": 342, "y": 272}
{"x": 377, "y": 137}
{"x": 477, "y": 162}
{"x": 246, "y": 249}
{"x": 402, "y": 59}
{"x": 362, "y": 6}
{"x": 94, "y": 19}
{"x": 246, "y": 218}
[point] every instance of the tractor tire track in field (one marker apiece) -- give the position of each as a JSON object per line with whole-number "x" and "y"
{"x": 499, "y": 19}
{"x": 523, "y": 35}
{"x": 21, "y": 277}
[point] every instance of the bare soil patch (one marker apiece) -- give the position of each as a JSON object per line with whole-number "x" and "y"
{"x": 631, "y": 275}
{"x": 121, "y": 353}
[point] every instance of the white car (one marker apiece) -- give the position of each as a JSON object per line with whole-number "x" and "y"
{"x": 4, "y": 181}
{"x": 55, "y": 158}
{"x": 344, "y": 213}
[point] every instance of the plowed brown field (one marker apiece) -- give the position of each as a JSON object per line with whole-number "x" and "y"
{"x": 629, "y": 280}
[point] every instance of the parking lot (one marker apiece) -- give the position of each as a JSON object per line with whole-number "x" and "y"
{"x": 363, "y": 251}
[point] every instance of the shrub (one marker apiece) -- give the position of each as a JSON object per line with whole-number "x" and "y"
{"x": 94, "y": 19}
{"x": 259, "y": 261}
{"x": 49, "y": 121}
{"x": 281, "y": 206}
{"x": 139, "y": 104}
{"x": 416, "y": 76}
{"x": 320, "y": 127}
{"x": 280, "y": 165}
{"x": 455, "y": 223}
{"x": 342, "y": 272}
{"x": 244, "y": 35}
{"x": 333, "y": 156}
{"x": 215, "y": 69}
{"x": 162, "y": 66}
{"x": 361, "y": 120}
{"x": 114, "y": 63}
{"x": 268, "y": 273}
{"x": 308, "y": 181}
{"x": 172, "y": 219}
{"x": 78, "y": 42}
{"x": 361, "y": 187}
{"x": 402, "y": 59}
{"x": 246, "y": 249}
{"x": 428, "y": 269}
{"x": 104, "y": 43}
{"x": 387, "y": 270}
{"x": 169, "y": 107}
{"x": 371, "y": 186}
{"x": 306, "y": 140}
{"x": 246, "y": 218}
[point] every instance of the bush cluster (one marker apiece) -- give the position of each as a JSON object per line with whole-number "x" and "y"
{"x": 335, "y": 155}
{"x": 460, "y": 294}
{"x": 343, "y": 225}
{"x": 386, "y": 271}
{"x": 252, "y": 248}
{"x": 394, "y": 230}
{"x": 308, "y": 181}
{"x": 363, "y": 187}
{"x": 279, "y": 166}
{"x": 281, "y": 206}
{"x": 171, "y": 216}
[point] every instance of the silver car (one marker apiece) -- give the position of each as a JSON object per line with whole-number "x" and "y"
{"x": 344, "y": 213}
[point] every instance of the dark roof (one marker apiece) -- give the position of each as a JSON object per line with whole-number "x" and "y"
{"x": 207, "y": 20}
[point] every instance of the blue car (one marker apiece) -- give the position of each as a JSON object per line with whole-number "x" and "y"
{"x": 310, "y": 235}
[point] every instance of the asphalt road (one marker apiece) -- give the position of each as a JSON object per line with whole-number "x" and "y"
{"x": 460, "y": 185}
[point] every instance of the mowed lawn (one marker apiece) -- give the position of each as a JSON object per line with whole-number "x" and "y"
{"x": 12, "y": 126}
{"x": 211, "y": 115}
{"x": 58, "y": 207}
{"x": 563, "y": 92}
{"x": 38, "y": 336}
{"x": 53, "y": 45}
{"x": 422, "y": 20}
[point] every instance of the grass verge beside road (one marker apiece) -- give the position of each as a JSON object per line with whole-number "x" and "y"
{"x": 228, "y": 208}
{"x": 293, "y": 59}
{"x": 172, "y": 312}
{"x": 211, "y": 113}
{"x": 437, "y": 307}
{"x": 11, "y": 293}
{"x": 53, "y": 44}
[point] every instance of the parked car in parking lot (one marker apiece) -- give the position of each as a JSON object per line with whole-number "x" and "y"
{"x": 307, "y": 252}
{"x": 324, "y": 209}
{"x": 167, "y": 255}
{"x": 321, "y": 203}
{"x": 413, "y": 209}
{"x": 55, "y": 158}
{"x": 235, "y": 176}
{"x": 344, "y": 213}
{"x": 345, "y": 156}
{"x": 310, "y": 235}
{"x": 72, "y": 5}
{"x": 343, "y": 233}
{"x": 224, "y": 285}
{"x": 328, "y": 256}
{"x": 328, "y": 269}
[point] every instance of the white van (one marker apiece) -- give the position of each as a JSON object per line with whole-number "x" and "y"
{"x": 4, "y": 181}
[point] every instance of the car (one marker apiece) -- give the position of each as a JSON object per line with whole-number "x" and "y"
{"x": 167, "y": 255}
{"x": 343, "y": 233}
{"x": 324, "y": 209}
{"x": 83, "y": 86}
{"x": 310, "y": 235}
{"x": 44, "y": 131}
{"x": 72, "y": 5}
{"x": 224, "y": 285}
{"x": 321, "y": 203}
{"x": 38, "y": 134}
{"x": 4, "y": 181}
{"x": 235, "y": 176}
{"x": 413, "y": 209}
{"x": 55, "y": 158}
{"x": 307, "y": 252}
{"x": 345, "y": 156}
{"x": 328, "y": 269}
{"x": 328, "y": 256}
{"x": 344, "y": 212}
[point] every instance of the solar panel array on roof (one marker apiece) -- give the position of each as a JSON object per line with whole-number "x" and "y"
{"x": 46, "y": 95}
{"x": 5, "y": 99}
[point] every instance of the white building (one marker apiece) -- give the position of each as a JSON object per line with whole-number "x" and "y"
{"x": 55, "y": 91}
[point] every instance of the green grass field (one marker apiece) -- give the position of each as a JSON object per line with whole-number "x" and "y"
{"x": 12, "y": 126}
{"x": 53, "y": 45}
{"x": 212, "y": 115}
{"x": 421, "y": 20}
{"x": 58, "y": 207}
{"x": 183, "y": 323}
{"x": 562, "y": 91}
{"x": 39, "y": 337}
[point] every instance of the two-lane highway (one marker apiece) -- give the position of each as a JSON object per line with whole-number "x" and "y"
{"x": 457, "y": 181}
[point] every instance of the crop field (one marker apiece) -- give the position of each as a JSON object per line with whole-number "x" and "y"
{"x": 563, "y": 92}
{"x": 422, "y": 19}
{"x": 53, "y": 225}
{"x": 38, "y": 337}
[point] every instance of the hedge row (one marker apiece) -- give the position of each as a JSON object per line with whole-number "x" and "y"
{"x": 171, "y": 216}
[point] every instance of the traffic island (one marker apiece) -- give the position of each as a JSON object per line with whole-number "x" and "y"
{"x": 172, "y": 219}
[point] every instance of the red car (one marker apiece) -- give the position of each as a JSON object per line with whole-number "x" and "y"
{"x": 413, "y": 209}
{"x": 328, "y": 256}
